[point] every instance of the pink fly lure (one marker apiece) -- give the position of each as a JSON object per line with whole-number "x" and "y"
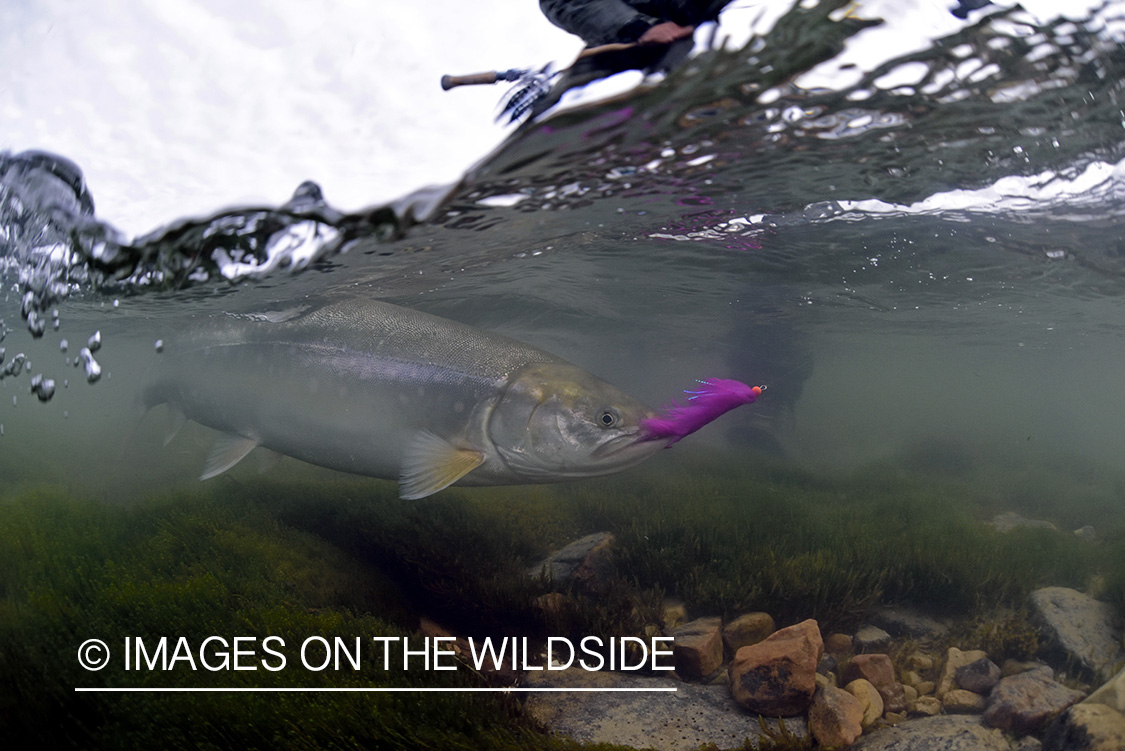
{"x": 717, "y": 396}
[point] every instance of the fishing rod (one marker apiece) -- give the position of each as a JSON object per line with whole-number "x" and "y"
{"x": 514, "y": 74}
{"x": 537, "y": 89}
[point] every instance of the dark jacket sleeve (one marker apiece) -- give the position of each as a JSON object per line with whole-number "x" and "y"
{"x": 598, "y": 21}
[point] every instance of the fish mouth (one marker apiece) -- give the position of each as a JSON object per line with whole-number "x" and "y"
{"x": 634, "y": 444}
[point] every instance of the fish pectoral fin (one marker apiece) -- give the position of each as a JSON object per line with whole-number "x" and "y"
{"x": 229, "y": 449}
{"x": 431, "y": 463}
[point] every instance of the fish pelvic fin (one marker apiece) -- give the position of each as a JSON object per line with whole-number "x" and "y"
{"x": 431, "y": 463}
{"x": 228, "y": 450}
{"x": 176, "y": 420}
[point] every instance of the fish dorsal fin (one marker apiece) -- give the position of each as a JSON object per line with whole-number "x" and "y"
{"x": 229, "y": 449}
{"x": 431, "y": 463}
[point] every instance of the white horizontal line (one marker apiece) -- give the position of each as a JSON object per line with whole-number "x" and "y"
{"x": 149, "y": 689}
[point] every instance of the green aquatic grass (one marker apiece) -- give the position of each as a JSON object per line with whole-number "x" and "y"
{"x": 799, "y": 545}
{"x": 314, "y": 553}
{"x": 195, "y": 566}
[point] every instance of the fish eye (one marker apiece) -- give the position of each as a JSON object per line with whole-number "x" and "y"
{"x": 609, "y": 418}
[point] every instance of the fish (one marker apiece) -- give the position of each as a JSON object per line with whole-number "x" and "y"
{"x": 371, "y": 388}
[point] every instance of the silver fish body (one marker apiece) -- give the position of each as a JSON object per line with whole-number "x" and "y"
{"x": 375, "y": 389}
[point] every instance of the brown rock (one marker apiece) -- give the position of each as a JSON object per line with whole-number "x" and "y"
{"x": 894, "y": 697}
{"x": 1086, "y": 727}
{"x": 747, "y": 629}
{"x": 925, "y": 688}
{"x": 869, "y": 697}
{"x": 777, "y": 676}
{"x": 1022, "y": 703}
{"x": 838, "y": 644}
{"x": 835, "y": 717}
{"x": 954, "y": 659}
{"x": 876, "y": 668}
{"x": 960, "y": 701}
{"x": 926, "y": 705}
{"x": 919, "y": 661}
{"x": 698, "y": 648}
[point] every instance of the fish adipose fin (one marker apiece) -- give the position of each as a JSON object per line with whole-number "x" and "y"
{"x": 229, "y": 450}
{"x": 431, "y": 463}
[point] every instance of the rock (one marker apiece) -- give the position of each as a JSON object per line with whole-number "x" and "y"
{"x": 941, "y": 733}
{"x": 680, "y": 721}
{"x": 747, "y": 629}
{"x": 926, "y": 705}
{"x": 1022, "y": 703}
{"x": 872, "y": 639}
{"x": 979, "y": 676}
{"x": 835, "y": 717}
{"x": 1086, "y": 727}
{"x": 876, "y": 668}
{"x": 838, "y": 644}
{"x": 911, "y": 678}
{"x": 1086, "y": 534}
{"x": 919, "y": 661}
{"x": 894, "y": 697}
{"x": 911, "y": 694}
{"x": 777, "y": 676}
{"x": 1111, "y": 694}
{"x": 1079, "y": 629}
{"x": 698, "y": 648}
{"x": 1027, "y": 743}
{"x": 673, "y": 612}
{"x": 587, "y": 563}
{"x": 906, "y": 622}
{"x": 925, "y": 688}
{"x": 954, "y": 659}
{"x": 1013, "y": 667}
{"x": 960, "y": 701}
{"x": 1010, "y": 520}
{"x": 868, "y": 696}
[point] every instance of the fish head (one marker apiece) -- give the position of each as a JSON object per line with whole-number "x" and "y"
{"x": 555, "y": 420}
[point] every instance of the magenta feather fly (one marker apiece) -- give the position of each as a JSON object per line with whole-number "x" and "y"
{"x": 717, "y": 396}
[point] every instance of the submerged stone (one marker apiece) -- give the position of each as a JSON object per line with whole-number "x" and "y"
{"x": 698, "y": 648}
{"x": 954, "y": 660}
{"x": 1079, "y": 630}
{"x": 586, "y": 562}
{"x": 683, "y": 720}
{"x": 907, "y": 622}
{"x": 777, "y": 676}
{"x": 979, "y": 676}
{"x": 1086, "y": 727}
{"x": 747, "y": 629}
{"x": 1023, "y": 703}
{"x": 835, "y": 717}
{"x": 942, "y": 733}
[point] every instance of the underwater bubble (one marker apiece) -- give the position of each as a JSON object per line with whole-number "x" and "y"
{"x": 93, "y": 370}
{"x": 43, "y": 388}
{"x": 94, "y": 343}
{"x": 63, "y": 345}
{"x": 159, "y": 345}
{"x": 15, "y": 367}
{"x": 35, "y": 324}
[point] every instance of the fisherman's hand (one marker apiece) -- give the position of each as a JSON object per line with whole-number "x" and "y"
{"x": 665, "y": 33}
